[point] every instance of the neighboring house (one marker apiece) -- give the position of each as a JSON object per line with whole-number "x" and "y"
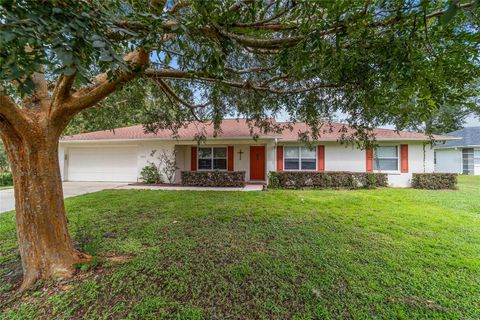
{"x": 459, "y": 156}
{"x": 121, "y": 155}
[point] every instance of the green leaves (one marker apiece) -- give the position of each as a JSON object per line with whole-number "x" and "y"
{"x": 69, "y": 71}
{"x": 377, "y": 63}
{"x": 59, "y": 35}
{"x": 65, "y": 57}
{"x": 98, "y": 44}
{"x": 7, "y": 36}
{"x": 105, "y": 56}
{"x": 450, "y": 13}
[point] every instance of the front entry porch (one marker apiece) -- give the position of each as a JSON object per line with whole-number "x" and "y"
{"x": 254, "y": 160}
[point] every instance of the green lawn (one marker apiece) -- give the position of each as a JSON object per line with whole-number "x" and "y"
{"x": 384, "y": 254}
{"x": 5, "y": 187}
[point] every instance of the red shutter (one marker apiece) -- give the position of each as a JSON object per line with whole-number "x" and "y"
{"x": 230, "y": 158}
{"x": 369, "y": 153}
{"x": 279, "y": 158}
{"x": 193, "y": 162}
{"x": 404, "y": 158}
{"x": 321, "y": 158}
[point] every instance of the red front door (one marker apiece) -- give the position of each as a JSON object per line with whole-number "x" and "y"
{"x": 257, "y": 163}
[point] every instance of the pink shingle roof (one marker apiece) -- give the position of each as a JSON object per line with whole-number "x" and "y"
{"x": 235, "y": 129}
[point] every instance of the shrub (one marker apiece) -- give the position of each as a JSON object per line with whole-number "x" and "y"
{"x": 434, "y": 181}
{"x": 323, "y": 180}
{"x": 273, "y": 180}
{"x": 374, "y": 180}
{"x": 6, "y": 179}
{"x": 150, "y": 174}
{"x": 213, "y": 178}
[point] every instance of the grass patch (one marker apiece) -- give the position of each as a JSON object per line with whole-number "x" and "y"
{"x": 386, "y": 253}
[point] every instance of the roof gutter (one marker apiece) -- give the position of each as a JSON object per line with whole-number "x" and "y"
{"x": 456, "y": 147}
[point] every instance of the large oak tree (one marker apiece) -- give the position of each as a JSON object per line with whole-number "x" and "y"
{"x": 385, "y": 61}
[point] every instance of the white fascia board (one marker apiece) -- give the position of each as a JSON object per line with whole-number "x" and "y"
{"x": 165, "y": 140}
{"x": 455, "y": 147}
{"x": 279, "y": 139}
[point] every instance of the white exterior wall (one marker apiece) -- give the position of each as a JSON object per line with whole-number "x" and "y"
{"x": 345, "y": 157}
{"x": 180, "y": 162}
{"x": 271, "y": 158}
{"x": 341, "y": 157}
{"x": 244, "y": 163}
{"x": 477, "y": 161}
{"x": 449, "y": 161}
{"x": 338, "y": 157}
{"x": 420, "y": 160}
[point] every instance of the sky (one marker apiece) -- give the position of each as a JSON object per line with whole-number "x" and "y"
{"x": 472, "y": 122}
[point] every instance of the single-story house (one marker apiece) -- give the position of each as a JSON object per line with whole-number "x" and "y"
{"x": 121, "y": 154}
{"x": 459, "y": 156}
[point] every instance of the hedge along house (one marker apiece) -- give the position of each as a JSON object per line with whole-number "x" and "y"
{"x": 459, "y": 156}
{"x": 120, "y": 155}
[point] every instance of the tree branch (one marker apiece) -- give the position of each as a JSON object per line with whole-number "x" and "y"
{"x": 265, "y": 23}
{"x": 62, "y": 89}
{"x": 39, "y": 97}
{"x": 13, "y": 114}
{"x": 262, "y": 43}
{"x": 134, "y": 26}
{"x": 275, "y": 79}
{"x": 169, "y": 90}
{"x": 268, "y": 26}
{"x": 237, "y": 5}
{"x": 248, "y": 70}
{"x": 244, "y": 85}
{"x": 89, "y": 96}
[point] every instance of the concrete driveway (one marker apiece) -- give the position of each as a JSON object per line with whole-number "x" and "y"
{"x": 70, "y": 189}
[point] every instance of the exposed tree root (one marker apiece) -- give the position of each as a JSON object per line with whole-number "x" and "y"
{"x": 57, "y": 272}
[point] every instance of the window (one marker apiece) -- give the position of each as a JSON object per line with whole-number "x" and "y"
{"x": 300, "y": 158}
{"x": 212, "y": 158}
{"x": 386, "y": 158}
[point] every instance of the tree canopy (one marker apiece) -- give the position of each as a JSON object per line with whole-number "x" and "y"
{"x": 400, "y": 62}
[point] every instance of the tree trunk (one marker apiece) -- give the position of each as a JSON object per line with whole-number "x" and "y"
{"x": 45, "y": 244}
{"x": 30, "y": 133}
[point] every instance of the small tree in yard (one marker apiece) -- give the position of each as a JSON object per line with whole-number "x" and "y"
{"x": 166, "y": 166}
{"x": 379, "y": 62}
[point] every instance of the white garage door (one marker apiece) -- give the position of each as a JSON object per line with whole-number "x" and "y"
{"x": 102, "y": 164}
